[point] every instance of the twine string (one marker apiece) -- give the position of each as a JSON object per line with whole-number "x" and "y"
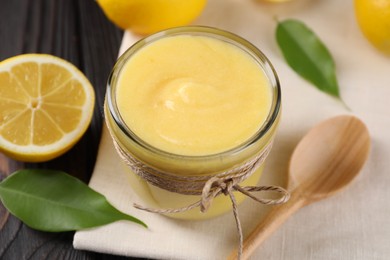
{"x": 238, "y": 224}
{"x": 227, "y": 189}
{"x": 208, "y": 187}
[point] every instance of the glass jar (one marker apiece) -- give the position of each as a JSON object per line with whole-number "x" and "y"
{"x": 188, "y": 165}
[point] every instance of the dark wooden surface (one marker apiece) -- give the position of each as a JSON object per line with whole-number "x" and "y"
{"x": 77, "y": 31}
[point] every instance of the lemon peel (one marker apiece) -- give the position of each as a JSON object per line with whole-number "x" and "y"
{"x": 149, "y": 16}
{"x": 373, "y": 17}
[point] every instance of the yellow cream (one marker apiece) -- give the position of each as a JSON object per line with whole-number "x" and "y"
{"x": 193, "y": 95}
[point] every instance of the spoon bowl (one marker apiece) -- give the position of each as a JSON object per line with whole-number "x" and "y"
{"x": 324, "y": 162}
{"x": 329, "y": 157}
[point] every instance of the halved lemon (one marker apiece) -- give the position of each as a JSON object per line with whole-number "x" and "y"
{"x": 46, "y": 105}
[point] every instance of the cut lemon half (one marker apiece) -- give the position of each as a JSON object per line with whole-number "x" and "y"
{"x": 46, "y": 105}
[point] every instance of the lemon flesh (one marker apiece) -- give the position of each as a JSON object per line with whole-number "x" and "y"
{"x": 46, "y": 105}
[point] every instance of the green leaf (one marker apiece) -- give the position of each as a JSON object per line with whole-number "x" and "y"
{"x": 307, "y": 55}
{"x": 55, "y": 201}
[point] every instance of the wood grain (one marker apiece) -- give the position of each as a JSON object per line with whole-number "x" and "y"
{"x": 77, "y": 31}
{"x": 324, "y": 162}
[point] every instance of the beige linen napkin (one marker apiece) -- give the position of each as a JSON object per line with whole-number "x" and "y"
{"x": 352, "y": 225}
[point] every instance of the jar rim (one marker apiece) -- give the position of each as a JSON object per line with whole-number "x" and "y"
{"x": 226, "y": 36}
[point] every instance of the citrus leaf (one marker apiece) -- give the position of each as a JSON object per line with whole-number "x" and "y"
{"x": 307, "y": 55}
{"x": 54, "y": 201}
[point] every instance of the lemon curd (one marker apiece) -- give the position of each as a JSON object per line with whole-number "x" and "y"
{"x": 193, "y": 95}
{"x": 192, "y": 101}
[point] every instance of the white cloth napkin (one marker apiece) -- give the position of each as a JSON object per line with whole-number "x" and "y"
{"x": 352, "y": 225}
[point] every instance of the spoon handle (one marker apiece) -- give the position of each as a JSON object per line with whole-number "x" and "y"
{"x": 275, "y": 218}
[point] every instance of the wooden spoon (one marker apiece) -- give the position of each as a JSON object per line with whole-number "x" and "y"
{"x": 324, "y": 162}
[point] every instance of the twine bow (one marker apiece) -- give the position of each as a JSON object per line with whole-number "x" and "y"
{"x": 208, "y": 187}
{"x": 216, "y": 186}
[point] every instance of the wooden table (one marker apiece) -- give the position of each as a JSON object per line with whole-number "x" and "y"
{"x": 77, "y": 31}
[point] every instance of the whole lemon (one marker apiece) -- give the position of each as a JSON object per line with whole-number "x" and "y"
{"x": 373, "y": 17}
{"x": 149, "y": 16}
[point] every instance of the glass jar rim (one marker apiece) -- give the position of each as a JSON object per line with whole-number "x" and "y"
{"x": 223, "y": 35}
